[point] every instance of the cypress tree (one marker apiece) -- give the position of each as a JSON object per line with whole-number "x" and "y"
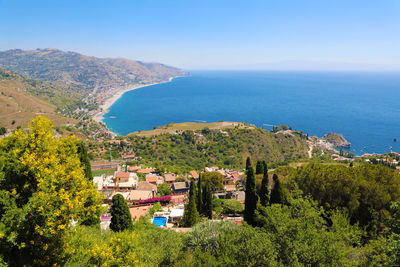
{"x": 251, "y": 198}
{"x": 121, "y": 217}
{"x": 207, "y": 201}
{"x": 84, "y": 159}
{"x": 259, "y": 167}
{"x": 248, "y": 163}
{"x": 277, "y": 196}
{"x": 199, "y": 196}
{"x": 264, "y": 191}
{"x": 191, "y": 189}
{"x": 190, "y": 215}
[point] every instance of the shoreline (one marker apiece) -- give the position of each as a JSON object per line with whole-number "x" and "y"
{"x": 111, "y": 100}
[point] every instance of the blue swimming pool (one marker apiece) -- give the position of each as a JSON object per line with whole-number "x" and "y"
{"x": 160, "y": 221}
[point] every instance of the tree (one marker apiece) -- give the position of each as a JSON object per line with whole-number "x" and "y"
{"x": 163, "y": 189}
{"x": 248, "y": 163}
{"x": 215, "y": 179}
{"x": 190, "y": 215}
{"x": 207, "y": 201}
{"x": 232, "y": 206}
{"x": 199, "y": 196}
{"x": 251, "y": 197}
{"x": 277, "y": 196}
{"x": 259, "y": 167}
{"x": 121, "y": 218}
{"x": 42, "y": 193}
{"x": 264, "y": 190}
{"x": 84, "y": 159}
{"x": 2, "y": 130}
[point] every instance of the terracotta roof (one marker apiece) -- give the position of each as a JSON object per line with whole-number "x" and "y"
{"x": 145, "y": 171}
{"x": 122, "y": 175}
{"x": 135, "y": 195}
{"x": 133, "y": 168}
{"x": 170, "y": 177}
{"x": 146, "y": 186}
{"x": 194, "y": 174}
{"x": 151, "y": 179}
{"x": 130, "y": 156}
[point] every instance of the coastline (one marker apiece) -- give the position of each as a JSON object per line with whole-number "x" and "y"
{"x": 111, "y": 100}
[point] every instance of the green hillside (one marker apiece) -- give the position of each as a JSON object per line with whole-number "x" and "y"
{"x": 196, "y": 149}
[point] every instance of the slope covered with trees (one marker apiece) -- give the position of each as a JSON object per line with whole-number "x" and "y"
{"x": 197, "y": 149}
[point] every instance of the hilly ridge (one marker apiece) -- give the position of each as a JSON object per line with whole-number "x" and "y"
{"x": 86, "y": 72}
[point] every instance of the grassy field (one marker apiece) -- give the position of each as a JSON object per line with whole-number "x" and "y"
{"x": 193, "y": 126}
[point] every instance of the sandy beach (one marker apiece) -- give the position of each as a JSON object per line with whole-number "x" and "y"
{"x": 111, "y": 100}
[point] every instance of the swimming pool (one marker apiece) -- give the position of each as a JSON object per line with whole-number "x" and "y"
{"x": 160, "y": 221}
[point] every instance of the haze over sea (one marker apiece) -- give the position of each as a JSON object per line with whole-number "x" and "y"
{"x": 363, "y": 106}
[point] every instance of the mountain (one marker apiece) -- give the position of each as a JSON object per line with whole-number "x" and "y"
{"x": 22, "y": 99}
{"x": 89, "y": 73}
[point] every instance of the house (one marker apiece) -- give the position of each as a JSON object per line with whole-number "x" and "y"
{"x": 146, "y": 186}
{"x": 151, "y": 178}
{"x": 98, "y": 182}
{"x": 146, "y": 171}
{"x": 180, "y": 187}
{"x": 169, "y": 178}
{"x": 176, "y": 214}
{"x": 137, "y": 195}
{"x": 126, "y": 180}
{"x": 194, "y": 174}
{"x": 133, "y": 168}
{"x": 230, "y": 188}
{"x": 235, "y": 176}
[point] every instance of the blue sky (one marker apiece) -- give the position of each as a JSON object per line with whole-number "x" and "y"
{"x": 209, "y": 34}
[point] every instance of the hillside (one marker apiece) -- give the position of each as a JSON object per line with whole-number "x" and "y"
{"x": 224, "y": 147}
{"x": 88, "y": 73}
{"x": 22, "y": 99}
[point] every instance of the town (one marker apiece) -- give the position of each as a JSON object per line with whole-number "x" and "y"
{"x": 144, "y": 188}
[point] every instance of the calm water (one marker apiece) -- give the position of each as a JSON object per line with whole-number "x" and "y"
{"x": 364, "y": 107}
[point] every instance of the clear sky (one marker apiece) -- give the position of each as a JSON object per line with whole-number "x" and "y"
{"x": 209, "y": 33}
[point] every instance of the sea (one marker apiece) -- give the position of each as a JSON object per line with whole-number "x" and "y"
{"x": 363, "y": 106}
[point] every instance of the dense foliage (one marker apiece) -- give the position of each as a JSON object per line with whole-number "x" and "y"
{"x": 365, "y": 192}
{"x": 195, "y": 150}
{"x": 43, "y": 191}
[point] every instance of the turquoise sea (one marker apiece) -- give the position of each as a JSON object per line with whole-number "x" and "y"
{"x": 364, "y": 107}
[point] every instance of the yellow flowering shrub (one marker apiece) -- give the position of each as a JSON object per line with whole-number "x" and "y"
{"x": 43, "y": 192}
{"x": 93, "y": 247}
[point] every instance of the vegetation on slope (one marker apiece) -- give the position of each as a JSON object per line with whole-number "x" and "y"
{"x": 22, "y": 99}
{"x": 365, "y": 192}
{"x": 197, "y": 149}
